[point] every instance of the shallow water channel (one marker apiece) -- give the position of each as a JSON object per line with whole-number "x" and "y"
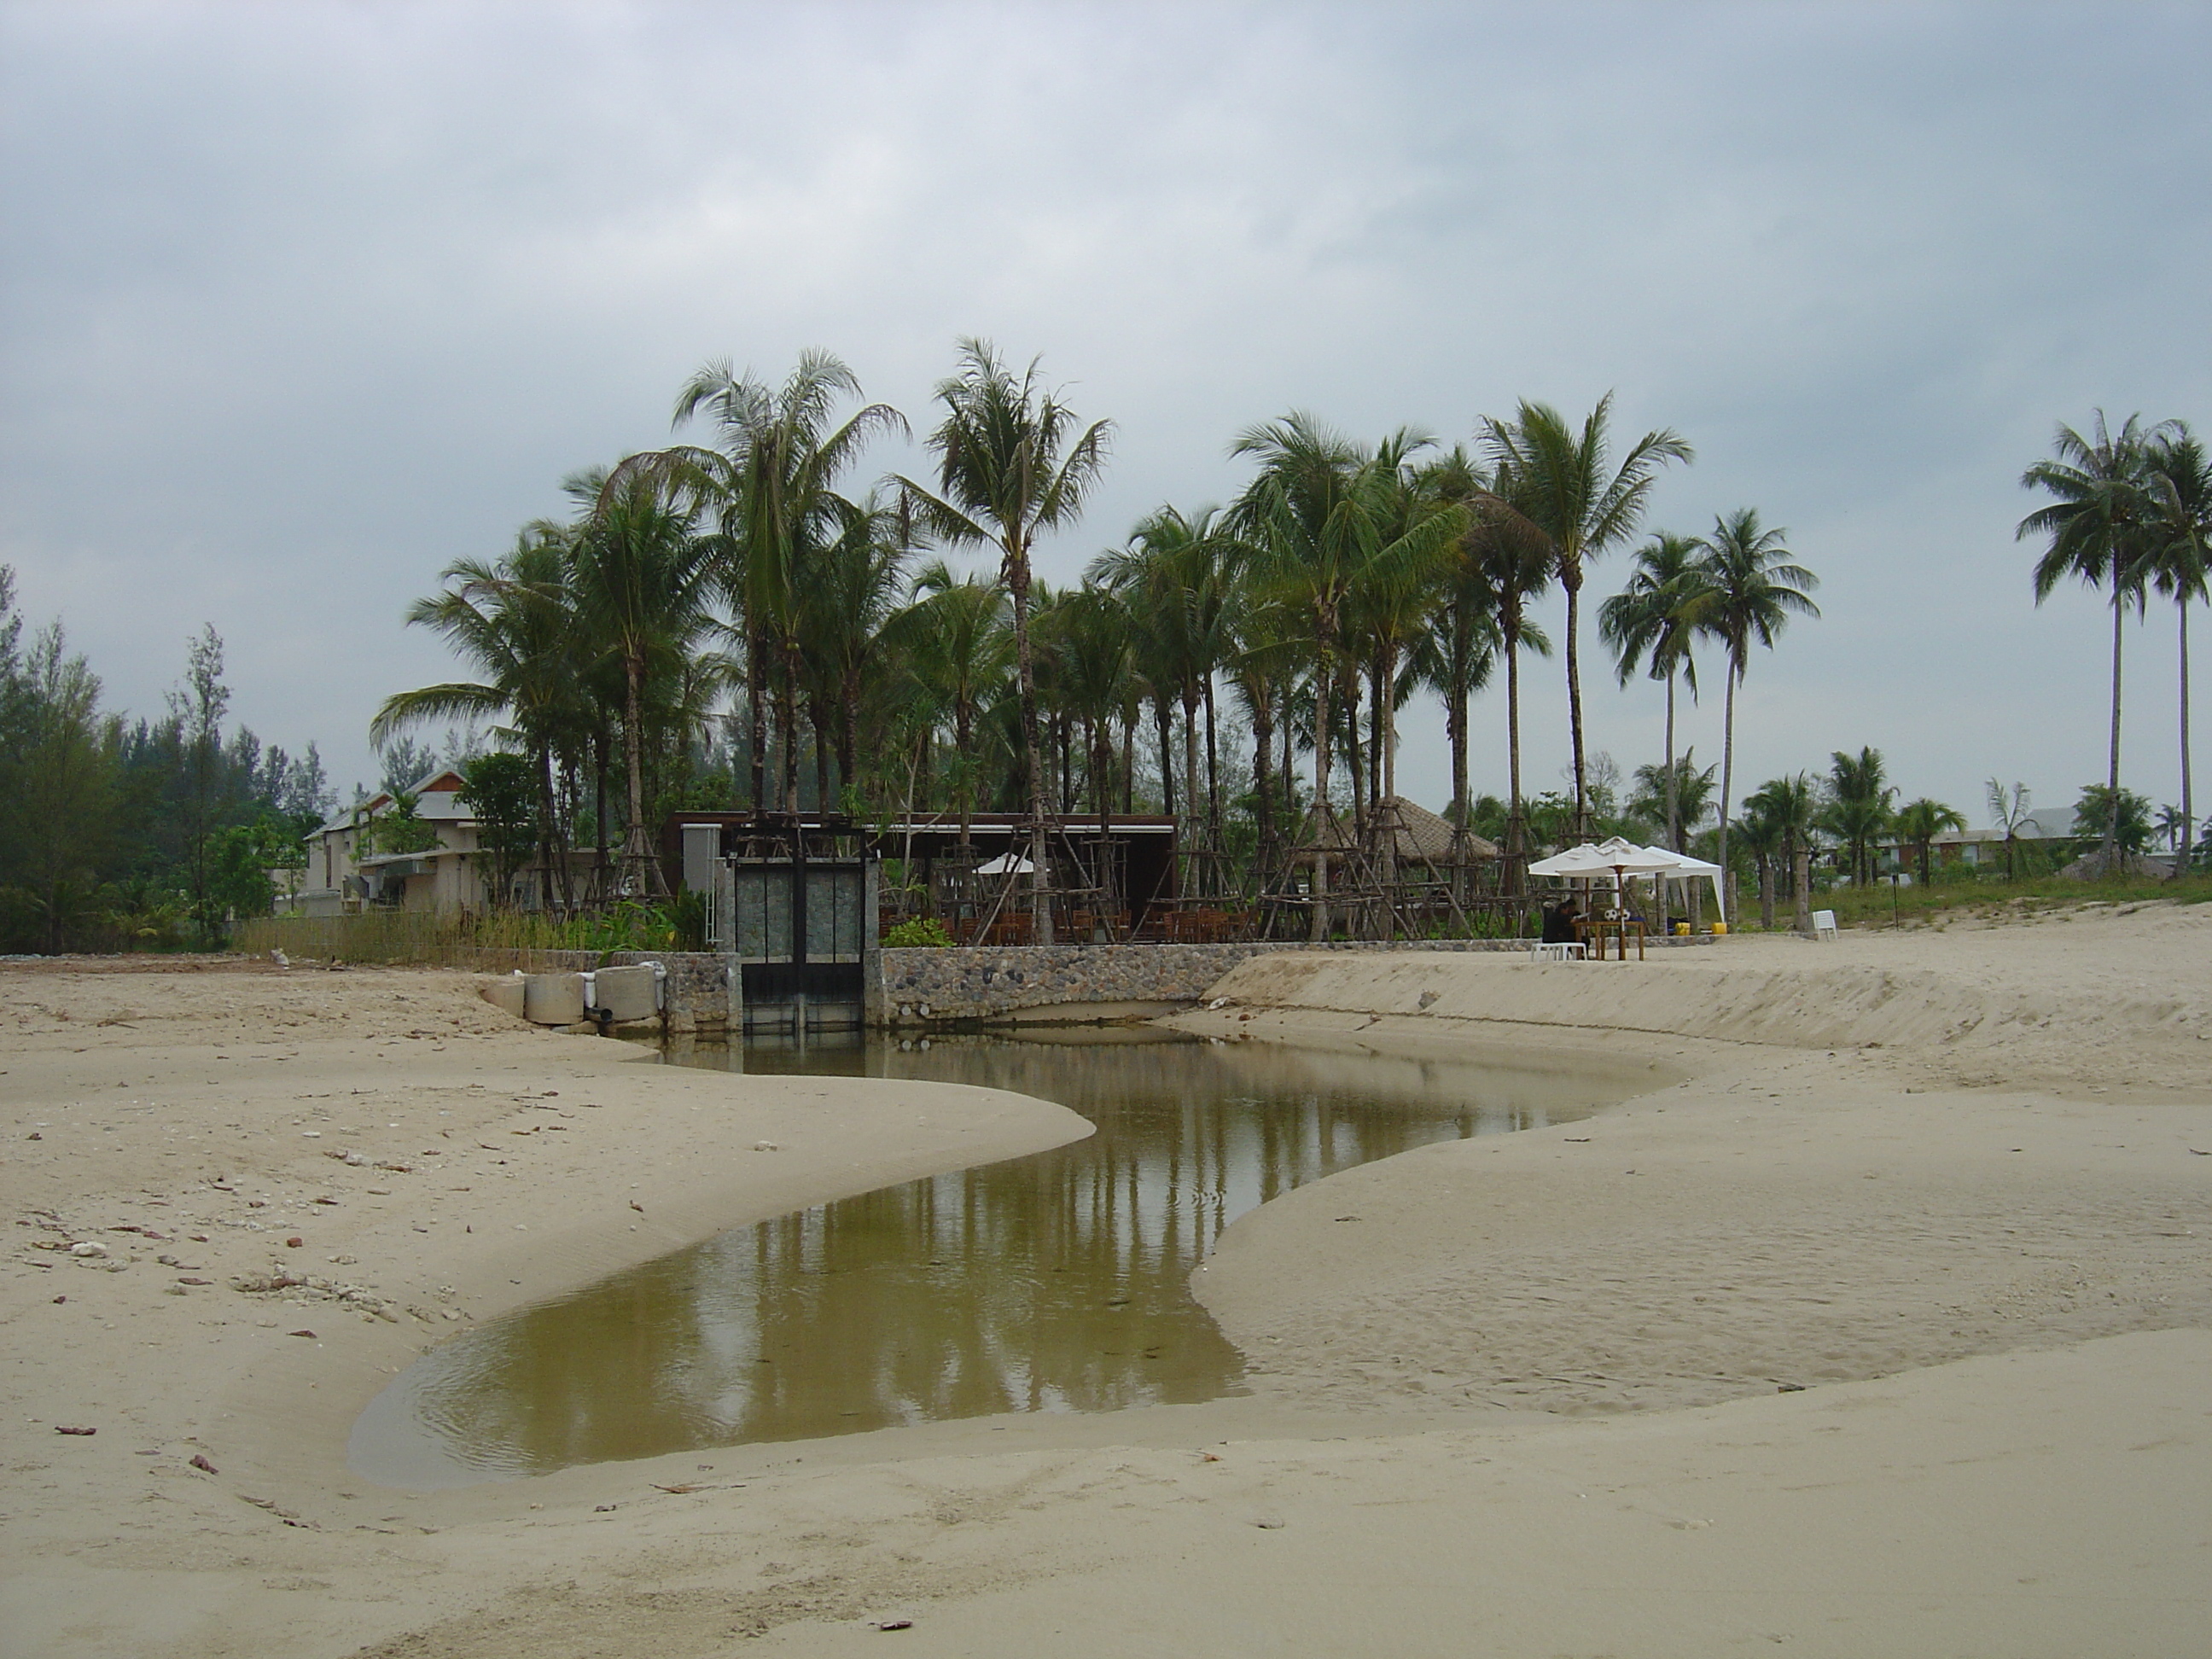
{"x": 1054, "y": 1282}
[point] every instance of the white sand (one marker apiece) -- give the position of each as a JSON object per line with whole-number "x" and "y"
{"x": 1526, "y": 1403}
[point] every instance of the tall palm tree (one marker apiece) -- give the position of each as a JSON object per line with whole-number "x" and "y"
{"x": 771, "y": 482}
{"x": 2180, "y": 486}
{"x": 641, "y": 575}
{"x": 1510, "y": 565}
{"x": 1561, "y": 480}
{"x": 515, "y": 622}
{"x": 2096, "y": 534}
{"x": 1752, "y": 591}
{"x": 1322, "y": 518}
{"x": 1177, "y": 576}
{"x": 1652, "y": 626}
{"x": 1012, "y": 466}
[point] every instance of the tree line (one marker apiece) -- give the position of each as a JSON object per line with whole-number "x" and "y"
{"x": 130, "y": 834}
{"x": 744, "y": 621}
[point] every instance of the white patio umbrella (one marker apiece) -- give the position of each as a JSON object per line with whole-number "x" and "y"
{"x": 1610, "y": 857}
{"x": 1006, "y": 863}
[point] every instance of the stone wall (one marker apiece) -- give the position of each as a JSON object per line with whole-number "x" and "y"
{"x": 931, "y": 987}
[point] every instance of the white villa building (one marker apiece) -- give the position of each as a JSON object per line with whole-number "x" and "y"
{"x": 447, "y": 877}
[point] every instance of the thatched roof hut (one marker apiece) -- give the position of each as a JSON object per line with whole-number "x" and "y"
{"x": 1417, "y": 836}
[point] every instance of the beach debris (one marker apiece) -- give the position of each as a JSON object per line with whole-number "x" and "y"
{"x": 70, "y": 1428}
{"x": 894, "y": 1624}
{"x": 681, "y": 1486}
{"x": 198, "y": 1461}
{"x": 185, "y": 1281}
{"x": 306, "y": 1334}
{"x": 1428, "y": 999}
{"x": 1789, "y": 1388}
{"x": 639, "y": 1208}
{"x": 1347, "y": 1218}
{"x": 59, "y": 1300}
{"x": 347, "y": 1157}
{"x": 1269, "y": 1524}
{"x": 295, "y": 1242}
{"x": 766, "y": 1147}
{"x": 602, "y": 1509}
{"x": 280, "y": 958}
{"x": 34, "y": 1135}
{"x": 89, "y": 1249}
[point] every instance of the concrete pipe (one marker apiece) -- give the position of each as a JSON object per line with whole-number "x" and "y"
{"x": 623, "y": 994}
{"x": 553, "y": 999}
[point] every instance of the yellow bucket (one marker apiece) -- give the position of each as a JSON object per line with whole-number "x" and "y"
{"x": 1681, "y": 930}
{"x": 1719, "y": 927}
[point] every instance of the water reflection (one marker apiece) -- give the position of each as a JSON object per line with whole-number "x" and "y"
{"x": 1056, "y": 1282}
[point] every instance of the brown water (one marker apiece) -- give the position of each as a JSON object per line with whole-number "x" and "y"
{"x": 1055, "y": 1282}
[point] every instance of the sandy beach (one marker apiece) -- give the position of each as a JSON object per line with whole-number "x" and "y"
{"x": 1883, "y": 1324}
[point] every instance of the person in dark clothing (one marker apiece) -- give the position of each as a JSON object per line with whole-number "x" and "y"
{"x": 1560, "y": 923}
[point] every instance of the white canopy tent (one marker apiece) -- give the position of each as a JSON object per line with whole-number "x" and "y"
{"x": 1613, "y": 859}
{"x": 1006, "y": 863}
{"x": 1681, "y": 865}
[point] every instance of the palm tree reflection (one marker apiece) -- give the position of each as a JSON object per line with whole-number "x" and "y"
{"x": 1056, "y": 1282}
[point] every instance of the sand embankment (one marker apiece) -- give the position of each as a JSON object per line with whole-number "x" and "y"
{"x": 1532, "y": 1400}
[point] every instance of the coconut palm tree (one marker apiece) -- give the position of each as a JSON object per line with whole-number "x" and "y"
{"x": 957, "y": 637}
{"x": 2096, "y": 533}
{"x": 1857, "y": 812}
{"x": 1652, "y": 626}
{"x": 640, "y": 575}
{"x": 1457, "y": 656}
{"x": 1560, "y": 479}
{"x": 857, "y": 581}
{"x": 515, "y": 622}
{"x": 1787, "y": 808}
{"x": 771, "y": 483}
{"x": 1012, "y": 466}
{"x": 1752, "y": 589}
{"x": 2181, "y": 487}
{"x": 1324, "y": 522}
{"x": 1176, "y": 575}
{"x": 1920, "y": 822}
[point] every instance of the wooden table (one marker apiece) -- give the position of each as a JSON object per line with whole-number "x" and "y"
{"x": 1596, "y": 930}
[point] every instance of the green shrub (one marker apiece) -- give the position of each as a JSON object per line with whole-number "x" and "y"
{"x": 921, "y": 931}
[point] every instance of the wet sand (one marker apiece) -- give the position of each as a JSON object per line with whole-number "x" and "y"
{"x": 1801, "y": 1350}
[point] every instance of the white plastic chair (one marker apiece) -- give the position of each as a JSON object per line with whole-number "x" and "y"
{"x": 1824, "y": 924}
{"x": 1559, "y": 950}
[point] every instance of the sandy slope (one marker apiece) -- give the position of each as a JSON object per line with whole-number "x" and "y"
{"x": 1527, "y": 1402}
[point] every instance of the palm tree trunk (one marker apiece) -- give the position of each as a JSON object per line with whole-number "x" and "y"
{"x": 1673, "y": 809}
{"x": 1571, "y": 578}
{"x": 1515, "y": 838}
{"x": 1263, "y": 812}
{"x": 1018, "y": 581}
{"x": 757, "y": 716}
{"x": 1163, "y": 724}
{"x": 1190, "y": 773}
{"x": 2112, "y": 820}
{"x": 1728, "y": 762}
{"x": 2188, "y": 801}
{"x": 1323, "y": 815}
{"x": 1386, "y": 793}
{"x": 639, "y": 864}
{"x": 1213, "y": 781}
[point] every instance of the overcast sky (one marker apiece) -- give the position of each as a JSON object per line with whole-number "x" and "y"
{"x": 299, "y": 302}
